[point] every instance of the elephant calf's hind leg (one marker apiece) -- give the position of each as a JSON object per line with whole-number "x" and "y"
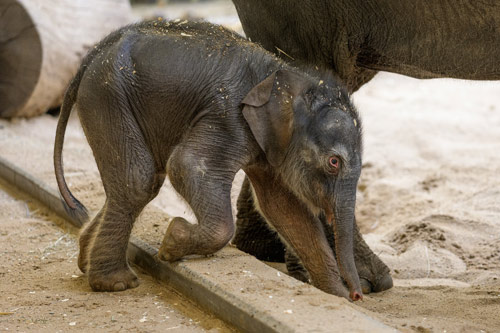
{"x": 131, "y": 179}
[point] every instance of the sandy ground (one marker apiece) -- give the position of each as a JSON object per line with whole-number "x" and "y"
{"x": 428, "y": 203}
{"x": 429, "y": 200}
{"x": 42, "y": 289}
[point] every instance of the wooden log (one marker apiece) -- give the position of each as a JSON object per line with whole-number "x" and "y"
{"x": 41, "y": 45}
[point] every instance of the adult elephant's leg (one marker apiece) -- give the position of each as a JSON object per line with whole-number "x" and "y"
{"x": 357, "y": 77}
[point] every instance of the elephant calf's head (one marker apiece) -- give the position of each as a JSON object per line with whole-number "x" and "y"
{"x": 311, "y": 134}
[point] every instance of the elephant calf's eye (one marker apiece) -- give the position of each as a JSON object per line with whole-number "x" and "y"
{"x": 333, "y": 164}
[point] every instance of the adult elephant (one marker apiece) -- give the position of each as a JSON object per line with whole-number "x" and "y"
{"x": 356, "y": 39}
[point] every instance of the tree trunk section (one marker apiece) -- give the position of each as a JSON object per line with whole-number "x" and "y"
{"x": 42, "y": 44}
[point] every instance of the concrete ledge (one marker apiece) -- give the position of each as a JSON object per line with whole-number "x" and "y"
{"x": 234, "y": 286}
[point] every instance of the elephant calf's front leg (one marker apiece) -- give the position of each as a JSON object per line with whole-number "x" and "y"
{"x": 374, "y": 275}
{"x": 300, "y": 230}
{"x": 210, "y": 200}
{"x": 200, "y": 171}
{"x": 256, "y": 238}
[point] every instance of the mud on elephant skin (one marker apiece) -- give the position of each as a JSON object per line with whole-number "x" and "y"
{"x": 196, "y": 102}
{"x": 254, "y": 236}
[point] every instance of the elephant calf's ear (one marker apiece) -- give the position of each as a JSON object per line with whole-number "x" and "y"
{"x": 268, "y": 111}
{"x": 261, "y": 93}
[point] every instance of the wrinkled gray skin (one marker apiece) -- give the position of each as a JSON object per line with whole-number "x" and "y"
{"x": 197, "y": 103}
{"x": 357, "y": 38}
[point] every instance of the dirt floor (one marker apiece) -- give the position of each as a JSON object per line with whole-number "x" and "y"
{"x": 43, "y": 290}
{"x": 429, "y": 200}
{"x": 428, "y": 204}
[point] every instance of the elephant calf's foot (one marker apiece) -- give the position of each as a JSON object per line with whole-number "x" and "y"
{"x": 178, "y": 240}
{"x": 117, "y": 280}
{"x": 183, "y": 238}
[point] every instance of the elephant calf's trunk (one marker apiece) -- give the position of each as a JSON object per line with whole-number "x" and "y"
{"x": 345, "y": 259}
{"x": 343, "y": 225}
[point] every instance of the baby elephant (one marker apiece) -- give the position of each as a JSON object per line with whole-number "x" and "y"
{"x": 197, "y": 102}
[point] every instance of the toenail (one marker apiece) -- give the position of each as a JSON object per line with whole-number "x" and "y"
{"x": 119, "y": 286}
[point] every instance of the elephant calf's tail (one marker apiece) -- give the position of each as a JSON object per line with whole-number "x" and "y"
{"x": 74, "y": 207}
